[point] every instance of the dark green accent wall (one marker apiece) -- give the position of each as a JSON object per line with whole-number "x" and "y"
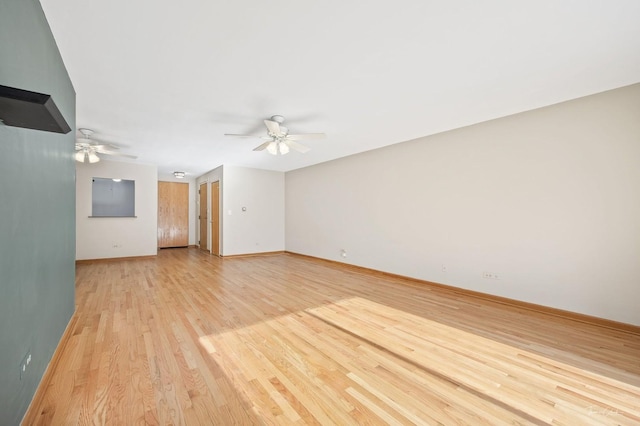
{"x": 37, "y": 211}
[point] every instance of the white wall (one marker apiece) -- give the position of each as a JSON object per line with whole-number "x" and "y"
{"x": 96, "y": 237}
{"x": 253, "y": 210}
{"x": 549, "y": 200}
{"x": 260, "y": 227}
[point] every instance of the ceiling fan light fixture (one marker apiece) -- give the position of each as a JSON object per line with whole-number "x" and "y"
{"x": 272, "y": 148}
{"x": 87, "y": 148}
{"x": 278, "y": 140}
{"x": 179, "y": 175}
{"x": 284, "y": 148}
{"x": 93, "y": 158}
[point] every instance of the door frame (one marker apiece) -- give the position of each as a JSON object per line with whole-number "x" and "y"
{"x": 214, "y": 218}
{"x": 206, "y": 214}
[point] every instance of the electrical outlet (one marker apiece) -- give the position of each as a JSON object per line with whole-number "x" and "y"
{"x": 444, "y": 268}
{"x": 343, "y": 253}
{"x": 490, "y": 275}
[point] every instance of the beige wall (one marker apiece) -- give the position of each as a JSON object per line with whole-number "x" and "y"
{"x": 96, "y": 237}
{"x": 549, "y": 200}
{"x": 260, "y": 227}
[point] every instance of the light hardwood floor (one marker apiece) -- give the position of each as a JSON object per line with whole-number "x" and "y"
{"x": 192, "y": 339}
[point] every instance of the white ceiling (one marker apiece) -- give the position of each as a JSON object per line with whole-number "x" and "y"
{"x": 166, "y": 79}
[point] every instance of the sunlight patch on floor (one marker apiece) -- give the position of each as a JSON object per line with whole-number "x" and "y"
{"x": 332, "y": 355}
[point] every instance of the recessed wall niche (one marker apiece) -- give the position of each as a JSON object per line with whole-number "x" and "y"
{"x": 113, "y": 197}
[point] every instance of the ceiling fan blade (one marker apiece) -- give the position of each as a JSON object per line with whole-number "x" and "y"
{"x": 242, "y": 136}
{"x": 263, "y": 146}
{"x": 273, "y": 127}
{"x": 105, "y": 146}
{"x": 306, "y": 136}
{"x": 298, "y": 147}
{"x": 117, "y": 154}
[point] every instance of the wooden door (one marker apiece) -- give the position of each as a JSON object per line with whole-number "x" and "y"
{"x": 215, "y": 218}
{"x": 173, "y": 214}
{"x": 203, "y": 216}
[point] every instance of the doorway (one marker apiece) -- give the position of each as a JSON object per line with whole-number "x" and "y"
{"x": 215, "y": 218}
{"x": 202, "y": 216}
{"x": 173, "y": 214}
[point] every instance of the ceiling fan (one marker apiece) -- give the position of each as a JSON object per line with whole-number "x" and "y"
{"x": 87, "y": 149}
{"x": 278, "y": 139}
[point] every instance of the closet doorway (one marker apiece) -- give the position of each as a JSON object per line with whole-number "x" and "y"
{"x": 215, "y": 218}
{"x": 202, "y": 216}
{"x": 173, "y": 214}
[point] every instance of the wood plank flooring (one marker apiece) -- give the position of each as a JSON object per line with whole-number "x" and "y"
{"x": 191, "y": 339}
